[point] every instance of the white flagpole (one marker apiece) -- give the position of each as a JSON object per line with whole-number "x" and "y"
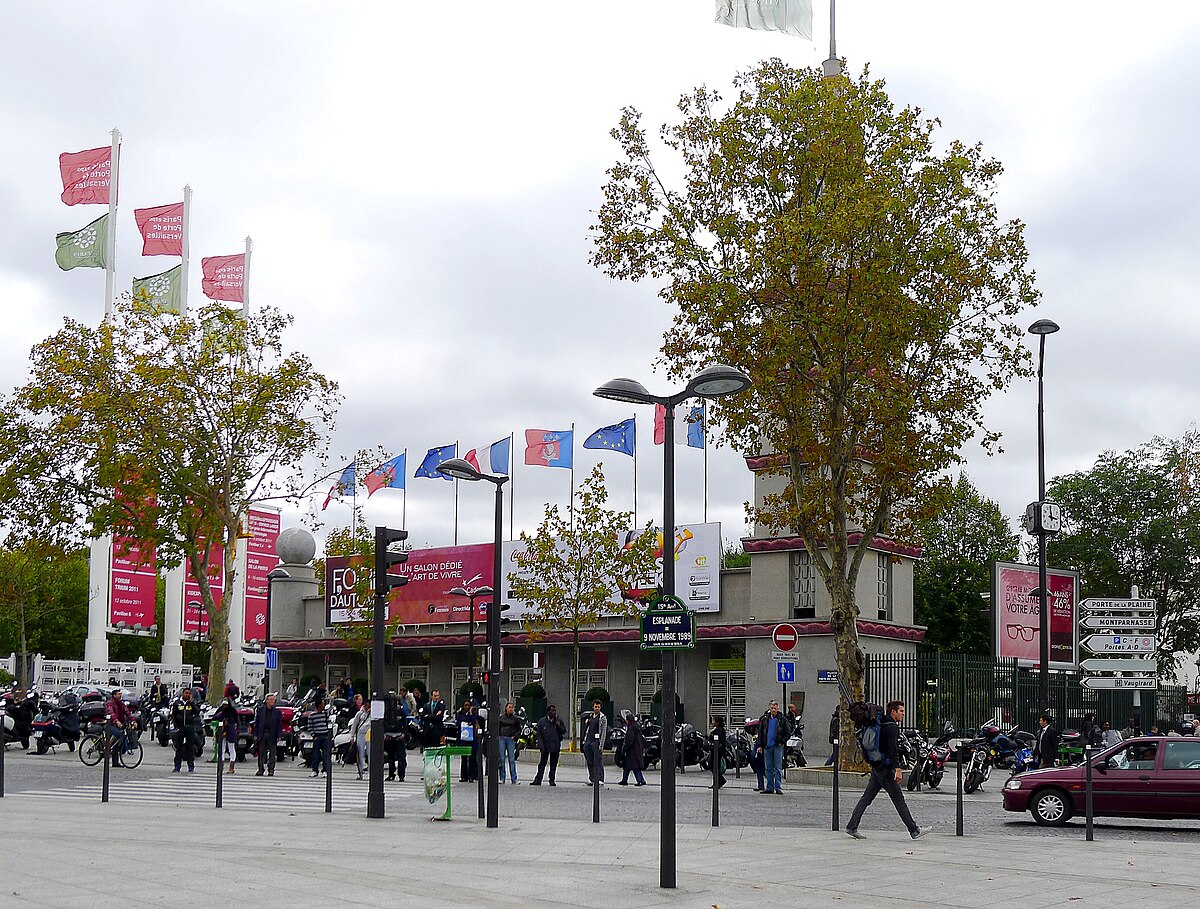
{"x": 114, "y": 179}
{"x": 704, "y": 438}
{"x": 571, "y": 498}
{"x": 456, "y": 499}
{"x": 183, "y": 271}
{"x": 404, "y": 503}
{"x": 512, "y": 478}
{"x": 832, "y": 66}
{"x": 246, "y": 281}
{"x": 635, "y": 521}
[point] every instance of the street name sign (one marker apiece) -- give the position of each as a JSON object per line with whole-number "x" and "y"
{"x": 668, "y": 625}
{"x": 1127, "y": 683}
{"x": 1119, "y": 665}
{"x": 1119, "y": 643}
{"x": 1118, "y": 622}
{"x": 1108, "y": 604}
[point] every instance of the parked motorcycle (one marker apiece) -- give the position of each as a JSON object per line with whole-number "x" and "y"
{"x": 930, "y": 765}
{"x": 793, "y": 751}
{"x": 52, "y": 727}
{"x": 980, "y": 757}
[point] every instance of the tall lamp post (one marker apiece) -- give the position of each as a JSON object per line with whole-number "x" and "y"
{"x": 275, "y": 574}
{"x": 461, "y": 469}
{"x": 1042, "y": 519}
{"x": 713, "y": 381}
{"x": 471, "y": 595}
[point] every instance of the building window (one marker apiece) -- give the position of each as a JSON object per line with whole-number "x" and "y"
{"x": 804, "y": 586}
{"x": 883, "y": 585}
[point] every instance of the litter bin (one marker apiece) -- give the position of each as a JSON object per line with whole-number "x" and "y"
{"x": 436, "y": 775}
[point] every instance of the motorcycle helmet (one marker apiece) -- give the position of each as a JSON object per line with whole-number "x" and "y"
{"x": 989, "y": 730}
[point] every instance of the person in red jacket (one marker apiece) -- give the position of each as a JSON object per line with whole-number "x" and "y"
{"x": 117, "y": 713}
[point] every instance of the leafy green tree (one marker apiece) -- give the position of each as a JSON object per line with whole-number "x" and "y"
{"x": 852, "y": 262}
{"x": 572, "y": 569}
{"x": 949, "y": 583}
{"x": 1134, "y": 518}
{"x": 168, "y": 430}
{"x": 43, "y": 602}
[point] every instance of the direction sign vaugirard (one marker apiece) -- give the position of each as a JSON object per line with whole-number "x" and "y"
{"x": 1119, "y": 622}
{"x": 1114, "y": 683}
{"x": 1119, "y": 643}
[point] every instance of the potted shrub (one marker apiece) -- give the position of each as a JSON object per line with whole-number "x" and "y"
{"x": 656, "y": 707}
{"x": 532, "y": 699}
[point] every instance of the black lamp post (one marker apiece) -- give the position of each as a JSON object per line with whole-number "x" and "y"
{"x": 471, "y": 595}
{"x": 714, "y": 381}
{"x": 1038, "y": 522}
{"x": 460, "y": 469}
{"x": 275, "y": 574}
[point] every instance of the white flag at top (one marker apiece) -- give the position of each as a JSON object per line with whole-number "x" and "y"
{"x": 791, "y": 16}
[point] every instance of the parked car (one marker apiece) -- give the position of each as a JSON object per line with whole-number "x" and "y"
{"x": 1144, "y": 777}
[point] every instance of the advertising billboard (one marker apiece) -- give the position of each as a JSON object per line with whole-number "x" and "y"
{"x": 195, "y": 618}
{"x": 132, "y": 581}
{"x": 1015, "y": 614}
{"x": 260, "y": 559}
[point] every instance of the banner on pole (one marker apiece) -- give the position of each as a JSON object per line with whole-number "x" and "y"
{"x": 224, "y": 278}
{"x": 161, "y": 229}
{"x": 132, "y": 580}
{"x": 86, "y": 176}
{"x": 260, "y": 560}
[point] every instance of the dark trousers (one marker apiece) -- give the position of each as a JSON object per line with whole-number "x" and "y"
{"x": 266, "y": 754}
{"x": 187, "y": 743}
{"x": 594, "y": 755}
{"x": 395, "y": 753}
{"x": 320, "y": 748}
{"x": 883, "y": 778}
{"x": 552, "y": 756}
{"x": 469, "y": 768}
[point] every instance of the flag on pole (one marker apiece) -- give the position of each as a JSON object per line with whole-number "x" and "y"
{"x": 492, "y": 458}
{"x": 388, "y": 475}
{"x": 696, "y": 430}
{"x": 549, "y": 448}
{"x": 83, "y": 248}
{"x": 161, "y": 229}
{"x": 434, "y": 457}
{"x": 86, "y": 176}
{"x": 161, "y": 292}
{"x": 618, "y": 437}
{"x": 344, "y": 485}
{"x": 791, "y": 16}
{"x": 224, "y": 278}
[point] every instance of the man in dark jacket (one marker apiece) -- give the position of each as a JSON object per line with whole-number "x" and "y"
{"x": 835, "y": 723}
{"x": 268, "y": 726}
{"x": 887, "y": 775}
{"x": 550, "y": 734}
{"x": 1045, "y": 749}
{"x": 185, "y": 719}
{"x": 774, "y": 728}
{"x": 158, "y": 693}
{"x": 433, "y": 719}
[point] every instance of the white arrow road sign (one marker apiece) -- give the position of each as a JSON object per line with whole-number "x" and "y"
{"x": 1092, "y": 604}
{"x": 1132, "y": 665}
{"x": 1118, "y": 622}
{"x": 1119, "y": 643}
{"x": 1110, "y": 682}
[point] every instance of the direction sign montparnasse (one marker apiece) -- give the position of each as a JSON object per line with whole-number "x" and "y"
{"x": 1112, "y": 682}
{"x": 1119, "y": 643}
{"x": 1118, "y": 622}
{"x": 1108, "y": 604}
{"x": 1119, "y": 665}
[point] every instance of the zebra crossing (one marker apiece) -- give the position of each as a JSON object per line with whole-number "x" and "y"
{"x": 288, "y": 792}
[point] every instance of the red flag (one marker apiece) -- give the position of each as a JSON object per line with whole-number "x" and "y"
{"x": 224, "y": 277}
{"x": 86, "y": 176}
{"x": 162, "y": 229}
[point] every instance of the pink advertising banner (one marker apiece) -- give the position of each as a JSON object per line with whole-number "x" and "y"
{"x": 1016, "y": 614}
{"x": 426, "y": 598}
{"x": 260, "y": 559}
{"x": 195, "y": 618}
{"x": 132, "y": 580}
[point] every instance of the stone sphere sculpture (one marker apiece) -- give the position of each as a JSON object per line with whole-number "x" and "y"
{"x": 296, "y": 546}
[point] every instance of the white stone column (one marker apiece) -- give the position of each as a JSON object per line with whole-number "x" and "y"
{"x": 95, "y": 648}
{"x": 172, "y": 649}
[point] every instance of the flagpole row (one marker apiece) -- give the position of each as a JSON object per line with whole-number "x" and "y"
{"x": 246, "y": 280}
{"x": 183, "y": 272}
{"x": 111, "y": 227}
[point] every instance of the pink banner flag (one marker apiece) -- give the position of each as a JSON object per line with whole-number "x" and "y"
{"x": 224, "y": 277}
{"x": 260, "y": 560}
{"x": 86, "y": 176}
{"x": 162, "y": 229}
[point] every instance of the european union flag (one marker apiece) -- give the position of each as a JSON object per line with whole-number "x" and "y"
{"x": 433, "y": 458}
{"x": 620, "y": 437}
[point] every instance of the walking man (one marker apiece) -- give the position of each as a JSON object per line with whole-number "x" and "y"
{"x": 158, "y": 693}
{"x": 268, "y": 725}
{"x": 550, "y": 733}
{"x": 318, "y": 725}
{"x": 886, "y": 774}
{"x": 1045, "y": 750}
{"x": 595, "y": 731}
{"x": 185, "y": 718}
{"x": 773, "y": 732}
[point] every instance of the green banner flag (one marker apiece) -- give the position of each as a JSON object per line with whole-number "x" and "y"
{"x": 161, "y": 292}
{"x": 85, "y": 248}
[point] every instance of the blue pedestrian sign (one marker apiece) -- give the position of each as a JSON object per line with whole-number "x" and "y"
{"x": 272, "y": 657}
{"x": 785, "y": 672}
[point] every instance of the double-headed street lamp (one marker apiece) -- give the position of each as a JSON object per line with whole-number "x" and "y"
{"x": 460, "y": 469}
{"x": 714, "y": 381}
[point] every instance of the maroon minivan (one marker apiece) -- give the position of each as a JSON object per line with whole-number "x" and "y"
{"x": 1146, "y": 777}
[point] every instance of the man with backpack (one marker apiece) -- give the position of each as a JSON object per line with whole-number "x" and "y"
{"x": 880, "y": 745}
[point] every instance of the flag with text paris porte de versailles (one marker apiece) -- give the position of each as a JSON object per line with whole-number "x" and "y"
{"x": 549, "y": 448}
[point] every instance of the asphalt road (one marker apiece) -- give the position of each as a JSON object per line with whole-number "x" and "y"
{"x": 799, "y": 806}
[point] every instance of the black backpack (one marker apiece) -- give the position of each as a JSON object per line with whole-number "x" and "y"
{"x": 868, "y": 722}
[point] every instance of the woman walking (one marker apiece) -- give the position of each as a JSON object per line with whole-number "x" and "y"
{"x": 359, "y": 726}
{"x": 227, "y": 727}
{"x": 635, "y": 752}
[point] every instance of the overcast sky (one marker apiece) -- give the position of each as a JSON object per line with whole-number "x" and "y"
{"x": 419, "y": 179}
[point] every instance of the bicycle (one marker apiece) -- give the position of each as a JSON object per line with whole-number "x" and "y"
{"x": 91, "y": 751}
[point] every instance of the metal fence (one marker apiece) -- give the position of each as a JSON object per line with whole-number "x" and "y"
{"x": 965, "y": 690}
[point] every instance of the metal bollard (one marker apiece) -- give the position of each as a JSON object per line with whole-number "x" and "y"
{"x": 2, "y": 750}
{"x": 1087, "y": 798}
{"x": 837, "y": 760}
{"x": 220, "y": 766}
{"x": 481, "y": 759}
{"x": 958, "y": 819}
{"x": 716, "y": 784}
{"x": 329, "y": 773}
{"x": 107, "y": 748}
{"x": 596, "y": 787}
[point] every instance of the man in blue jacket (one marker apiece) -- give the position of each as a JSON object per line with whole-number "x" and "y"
{"x": 773, "y": 731}
{"x": 886, "y": 774}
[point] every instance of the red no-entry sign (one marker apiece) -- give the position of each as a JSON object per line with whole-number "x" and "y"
{"x": 785, "y": 637}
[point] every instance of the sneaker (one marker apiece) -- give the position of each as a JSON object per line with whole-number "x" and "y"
{"x": 515, "y": 783}
{"x": 260, "y": 773}
{"x": 854, "y": 833}
{"x": 315, "y": 774}
{"x": 921, "y": 831}
{"x": 639, "y": 784}
{"x": 552, "y": 782}
{"x": 622, "y": 783}
{"x": 191, "y": 769}
{"x": 535, "y": 783}
{"x": 270, "y": 773}
{"x": 176, "y": 770}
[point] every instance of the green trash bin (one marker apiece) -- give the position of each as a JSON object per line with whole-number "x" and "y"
{"x": 436, "y": 775}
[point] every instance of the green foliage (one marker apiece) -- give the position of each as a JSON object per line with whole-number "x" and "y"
{"x": 415, "y": 685}
{"x": 854, "y": 265}
{"x": 532, "y": 690}
{"x": 735, "y": 558}
{"x": 595, "y": 694}
{"x": 1134, "y": 518}
{"x": 43, "y": 600}
{"x": 193, "y": 421}
{"x": 473, "y": 691}
{"x": 961, "y": 543}
{"x": 6, "y": 677}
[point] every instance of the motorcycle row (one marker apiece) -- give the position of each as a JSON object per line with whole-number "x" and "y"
{"x": 987, "y": 748}
{"x": 695, "y": 748}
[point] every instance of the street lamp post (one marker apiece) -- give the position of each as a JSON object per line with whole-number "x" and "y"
{"x": 1041, "y": 328}
{"x": 275, "y": 574}
{"x": 471, "y": 595}
{"x": 461, "y": 469}
{"x": 711, "y": 382}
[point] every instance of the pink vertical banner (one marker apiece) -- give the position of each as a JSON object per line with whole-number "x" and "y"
{"x": 260, "y": 559}
{"x": 132, "y": 584}
{"x": 195, "y": 618}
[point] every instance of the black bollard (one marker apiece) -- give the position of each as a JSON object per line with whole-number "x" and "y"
{"x": 1087, "y": 797}
{"x": 596, "y": 787}
{"x": 107, "y": 759}
{"x": 958, "y": 819}
{"x": 329, "y": 774}
{"x": 2, "y": 750}
{"x": 220, "y": 766}
{"x": 837, "y": 760}
{"x": 716, "y": 787}
{"x": 481, "y": 758}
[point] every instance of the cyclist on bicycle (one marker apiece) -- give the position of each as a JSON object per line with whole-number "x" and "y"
{"x": 119, "y": 719}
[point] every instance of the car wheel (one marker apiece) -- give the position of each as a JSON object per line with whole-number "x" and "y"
{"x": 1050, "y": 808}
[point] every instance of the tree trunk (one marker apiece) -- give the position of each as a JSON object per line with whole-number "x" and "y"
{"x": 22, "y": 668}
{"x": 574, "y": 708}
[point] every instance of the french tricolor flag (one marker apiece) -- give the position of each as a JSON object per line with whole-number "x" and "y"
{"x": 492, "y": 458}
